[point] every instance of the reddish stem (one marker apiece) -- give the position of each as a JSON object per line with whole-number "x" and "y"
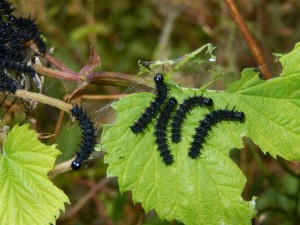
{"x": 254, "y": 48}
{"x": 55, "y": 62}
{"x": 84, "y": 200}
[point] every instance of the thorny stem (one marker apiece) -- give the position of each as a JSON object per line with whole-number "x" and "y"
{"x": 103, "y": 77}
{"x": 250, "y": 40}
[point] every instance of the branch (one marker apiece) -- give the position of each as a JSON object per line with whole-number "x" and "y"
{"x": 254, "y": 48}
{"x": 103, "y": 77}
{"x": 43, "y": 99}
{"x": 84, "y": 200}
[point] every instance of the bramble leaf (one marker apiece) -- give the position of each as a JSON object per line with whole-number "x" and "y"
{"x": 27, "y": 195}
{"x": 206, "y": 190}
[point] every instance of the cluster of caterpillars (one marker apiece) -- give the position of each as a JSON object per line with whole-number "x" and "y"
{"x": 165, "y": 107}
{"x": 16, "y": 33}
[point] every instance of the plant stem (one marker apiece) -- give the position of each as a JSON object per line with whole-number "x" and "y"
{"x": 253, "y": 46}
{"x": 55, "y": 62}
{"x": 103, "y": 77}
{"x": 43, "y": 99}
{"x": 56, "y": 73}
{"x": 84, "y": 200}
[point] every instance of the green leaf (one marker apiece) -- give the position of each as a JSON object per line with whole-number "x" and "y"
{"x": 27, "y": 195}
{"x": 290, "y": 61}
{"x": 207, "y": 190}
{"x": 203, "y": 191}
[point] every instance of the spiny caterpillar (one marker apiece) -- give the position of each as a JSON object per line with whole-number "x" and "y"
{"x": 6, "y": 8}
{"x": 32, "y": 32}
{"x": 207, "y": 123}
{"x": 8, "y": 83}
{"x": 184, "y": 108}
{"x": 15, "y": 34}
{"x": 151, "y": 111}
{"x": 18, "y": 31}
{"x": 88, "y": 136}
{"x": 161, "y": 131}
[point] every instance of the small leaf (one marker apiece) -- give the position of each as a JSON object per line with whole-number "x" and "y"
{"x": 27, "y": 195}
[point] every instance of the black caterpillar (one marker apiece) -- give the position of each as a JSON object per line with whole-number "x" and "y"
{"x": 17, "y": 67}
{"x": 8, "y": 83}
{"x": 187, "y": 105}
{"x": 151, "y": 111}
{"x": 161, "y": 131}
{"x": 19, "y": 30}
{"x": 88, "y": 136}
{"x": 207, "y": 123}
{"x": 32, "y": 32}
{"x": 15, "y": 34}
{"x": 6, "y": 8}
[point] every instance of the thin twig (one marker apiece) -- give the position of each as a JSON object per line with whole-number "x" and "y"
{"x": 43, "y": 99}
{"x": 61, "y": 168}
{"x": 103, "y": 77}
{"x": 117, "y": 79}
{"x": 77, "y": 92}
{"x": 84, "y": 200}
{"x": 58, "y": 125}
{"x": 55, "y": 62}
{"x": 102, "y": 212}
{"x": 56, "y": 73}
{"x": 253, "y": 46}
{"x": 9, "y": 107}
{"x": 162, "y": 47}
{"x": 91, "y": 184}
{"x": 102, "y": 97}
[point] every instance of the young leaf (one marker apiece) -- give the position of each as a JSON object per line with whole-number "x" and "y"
{"x": 27, "y": 195}
{"x": 206, "y": 190}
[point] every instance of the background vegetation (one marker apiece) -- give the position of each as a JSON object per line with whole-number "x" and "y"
{"x": 124, "y": 32}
